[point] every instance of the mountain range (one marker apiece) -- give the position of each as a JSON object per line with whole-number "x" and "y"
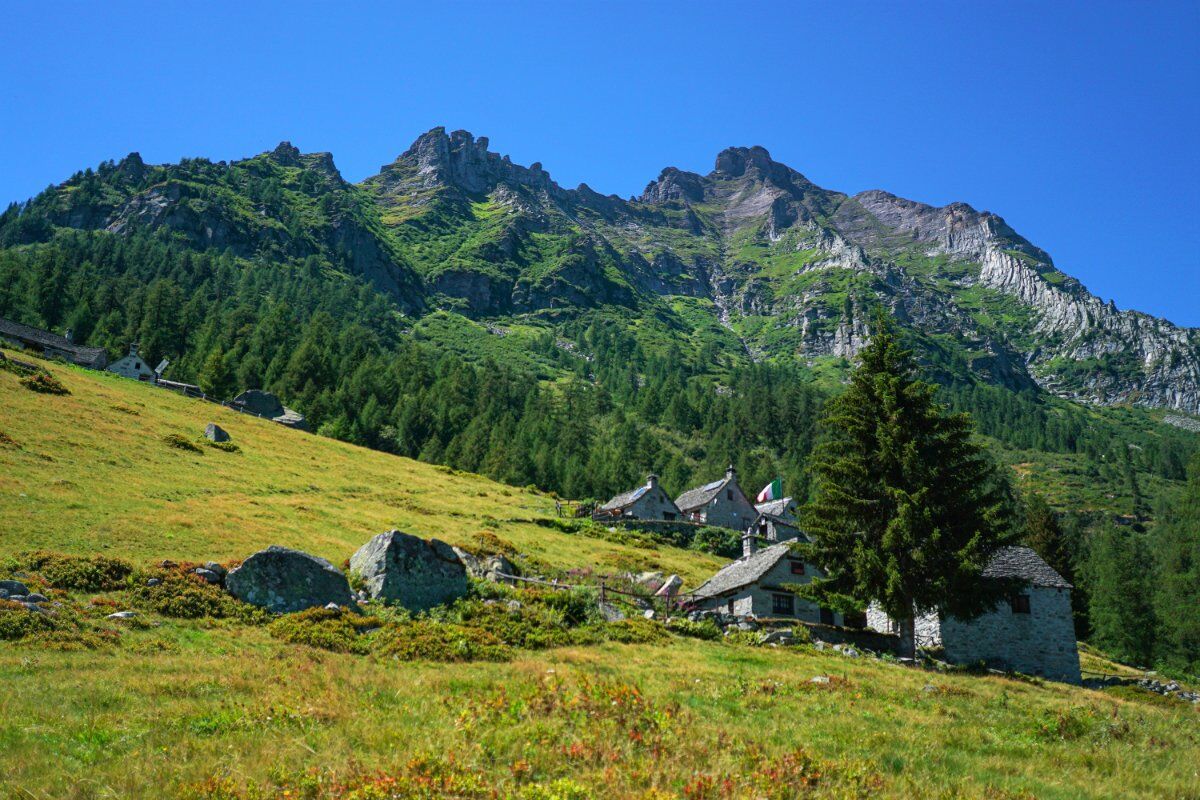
{"x": 779, "y": 267}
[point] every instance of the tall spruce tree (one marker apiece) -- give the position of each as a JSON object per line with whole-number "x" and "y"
{"x": 908, "y": 509}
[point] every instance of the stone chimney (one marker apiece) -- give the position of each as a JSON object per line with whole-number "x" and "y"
{"x": 651, "y": 481}
{"x": 749, "y": 543}
{"x": 730, "y": 472}
{"x": 69, "y": 336}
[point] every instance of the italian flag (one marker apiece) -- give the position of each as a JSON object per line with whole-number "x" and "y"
{"x": 772, "y": 491}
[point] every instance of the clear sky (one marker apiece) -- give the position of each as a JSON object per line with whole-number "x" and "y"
{"x": 1077, "y": 122}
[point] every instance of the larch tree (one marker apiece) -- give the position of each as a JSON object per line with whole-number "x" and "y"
{"x": 908, "y": 510}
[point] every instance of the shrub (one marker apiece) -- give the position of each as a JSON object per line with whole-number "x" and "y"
{"x": 339, "y": 631}
{"x": 17, "y": 623}
{"x": 181, "y": 442}
{"x": 44, "y": 383}
{"x": 704, "y": 629}
{"x": 634, "y": 631}
{"x": 228, "y": 447}
{"x": 185, "y": 596}
{"x": 532, "y": 626}
{"x": 79, "y": 573}
{"x": 718, "y": 541}
{"x": 431, "y": 641}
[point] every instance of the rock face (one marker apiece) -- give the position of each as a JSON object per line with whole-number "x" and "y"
{"x": 283, "y": 580}
{"x": 405, "y": 570}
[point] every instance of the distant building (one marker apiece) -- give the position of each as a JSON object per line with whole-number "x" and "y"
{"x": 133, "y": 366}
{"x": 265, "y": 404}
{"x": 1032, "y": 632}
{"x": 756, "y": 585}
{"x": 720, "y": 503}
{"x": 645, "y": 502}
{"x": 51, "y": 345}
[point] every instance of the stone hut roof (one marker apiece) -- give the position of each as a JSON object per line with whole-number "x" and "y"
{"x": 1024, "y": 564}
{"x": 624, "y": 499}
{"x": 774, "y": 507}
{"x": 743, "y": 572}
{"x": 700, "y": 496}
{"x": 36, "y": 337}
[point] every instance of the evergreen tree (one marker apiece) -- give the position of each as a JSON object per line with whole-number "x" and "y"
{"x": 908, "y": 510}
{"x": 1120, "y": 606}
{"x": 1177, "y": 594}
{"x": 216, "y": 377}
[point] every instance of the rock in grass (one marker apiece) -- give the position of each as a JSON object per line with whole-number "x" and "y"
{"x": 123, "y": 615}
{"x": 611, "y": 613}
{"x": 11, "y": 588}
{"x": 207, "y": 575}
{"x": 283, "y": 580}
{"x": 215, "y": 433}
{"x": 404, "y": 570}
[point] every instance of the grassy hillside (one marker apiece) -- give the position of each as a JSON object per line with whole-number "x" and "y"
{"x": 229, "y": 708}
{"x": 91, "y": 472}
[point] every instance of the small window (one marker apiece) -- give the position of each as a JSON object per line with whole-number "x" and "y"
{"x": 668, "y": 515}
{"x": 137, "y": 365}
{"x": 783, "y": 604}
{"x": 730, "y": 607}
{"x": 1020, "y": 604}
{"x": 826, "y": 616}
{"x": 797, "y": 567}
{"x": 729, "y": 494}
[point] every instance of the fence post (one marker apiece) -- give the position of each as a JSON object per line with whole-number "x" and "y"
{"x": 603, "y": 591}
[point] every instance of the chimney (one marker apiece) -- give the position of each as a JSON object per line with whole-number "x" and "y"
{"x": 730, "y": 472}
{"x": 651, "y": 480}
{"x": 70, "y": 337}
{"x": 133, "y": 348}
{"x": 749, "y": 543}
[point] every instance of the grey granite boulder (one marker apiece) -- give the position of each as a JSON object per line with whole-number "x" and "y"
{"x": 407, "y": 571}
{"x": 215, "y": 433}
{"x": 283, "y": 580}
{"x": 11, "y": 588}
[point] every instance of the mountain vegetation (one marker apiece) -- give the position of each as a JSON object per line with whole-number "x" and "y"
{"x": 466, "y": 311}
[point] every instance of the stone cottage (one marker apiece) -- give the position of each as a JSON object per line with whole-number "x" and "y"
{"x": 645, "y": 502}
{"x": 720, "y": 503}
{"x": 1032, "y": 632}
{"x": 51, "y": 345}
{"x": 133, "y": 366}
{"x": 754, "y": 585}
{"x": 783, "y": 507}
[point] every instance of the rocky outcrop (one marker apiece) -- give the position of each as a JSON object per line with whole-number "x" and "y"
{"x": 404, "y": 570}
{"x": 283, "y": 580}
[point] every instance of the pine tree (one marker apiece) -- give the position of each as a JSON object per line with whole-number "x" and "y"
{"x": 1177, "y": 594}
{"x": 216, "y": 377}
{"x": 1120, "y": 605}
{"x": 908, "y": 509}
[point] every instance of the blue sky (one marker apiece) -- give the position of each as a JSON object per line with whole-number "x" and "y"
{"x": 1077, "y": 122}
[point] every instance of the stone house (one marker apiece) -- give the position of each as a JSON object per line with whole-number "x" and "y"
{"x": 783, "y": 507}
{"x": 51, "y": 345}
{"x": 133, "y": 366}
{"x": 720, "y": 503}
{"x": 754, "y": 585}
{"x": 1032, "y": 632}
{"x": 645, "y": 502}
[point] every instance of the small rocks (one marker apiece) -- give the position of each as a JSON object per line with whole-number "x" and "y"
{"x": 207, "y": 575}
{"x": 513, "y": 606}
{"x": 36, "y": 598}
{"x": 154, "y": 582}
{"x": 123, "y": 615}
{"x": 670, "y": 587}
{"x": 611, "y": 613}
{"x": 821, "y": 679}
{"x": 333, "y": 607}
{"x": 648, "y": 613}
{"x": 781, "y": 637}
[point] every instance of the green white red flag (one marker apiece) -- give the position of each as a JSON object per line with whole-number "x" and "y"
{"x": 772, "y": 491}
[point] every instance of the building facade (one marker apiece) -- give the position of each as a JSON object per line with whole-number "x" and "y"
{"x": 51, "y": 345}
{"x": 1033, "y": 631}
{"x": 720, "y": 503}
{"x": 648, "y": 502}
{"x": 133, "y": 366}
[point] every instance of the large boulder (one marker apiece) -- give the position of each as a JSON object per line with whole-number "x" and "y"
{"x": 283, "y": 580}
{"x": 398, "y": 568}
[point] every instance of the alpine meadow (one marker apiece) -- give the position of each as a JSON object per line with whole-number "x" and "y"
{"x": 446, "y": 483}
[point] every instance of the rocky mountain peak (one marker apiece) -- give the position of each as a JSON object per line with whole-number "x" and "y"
{"x": 286, "y": 154}
{"x": 672, "y": 185}
{"x": 462, "y": 161}
{"x": 734, "y": 162}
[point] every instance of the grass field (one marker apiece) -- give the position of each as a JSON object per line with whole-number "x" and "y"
{"x": 169, "y": 707}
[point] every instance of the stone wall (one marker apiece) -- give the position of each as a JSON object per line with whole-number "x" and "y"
{"x": 1041, "y": 642}
{"x": 757, "y": 600}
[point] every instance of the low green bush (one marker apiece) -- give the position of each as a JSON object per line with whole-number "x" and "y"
{"x": 704, "y": 629}
{"x": 180, "y": 442}
{"x": 17, "y": 623}
{"x": 424, "y": 640}
{"x": 44, "y": 383}
{"x": 78, "y": 573}
{"x": 186, "y": 596}
{"x": 339, "y": 631}
{"x": 633, "y": 631}
{"x": 228, "y": 447}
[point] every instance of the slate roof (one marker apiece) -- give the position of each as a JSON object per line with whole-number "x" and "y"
{"x": 774, "y": 507}
{"x": 624, "y": 499}
{"x": 31, "y": 336}
{"x": 1023, "y": 563}
{"x": 743, "y": 572}
{"x": 698, "y": 497}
